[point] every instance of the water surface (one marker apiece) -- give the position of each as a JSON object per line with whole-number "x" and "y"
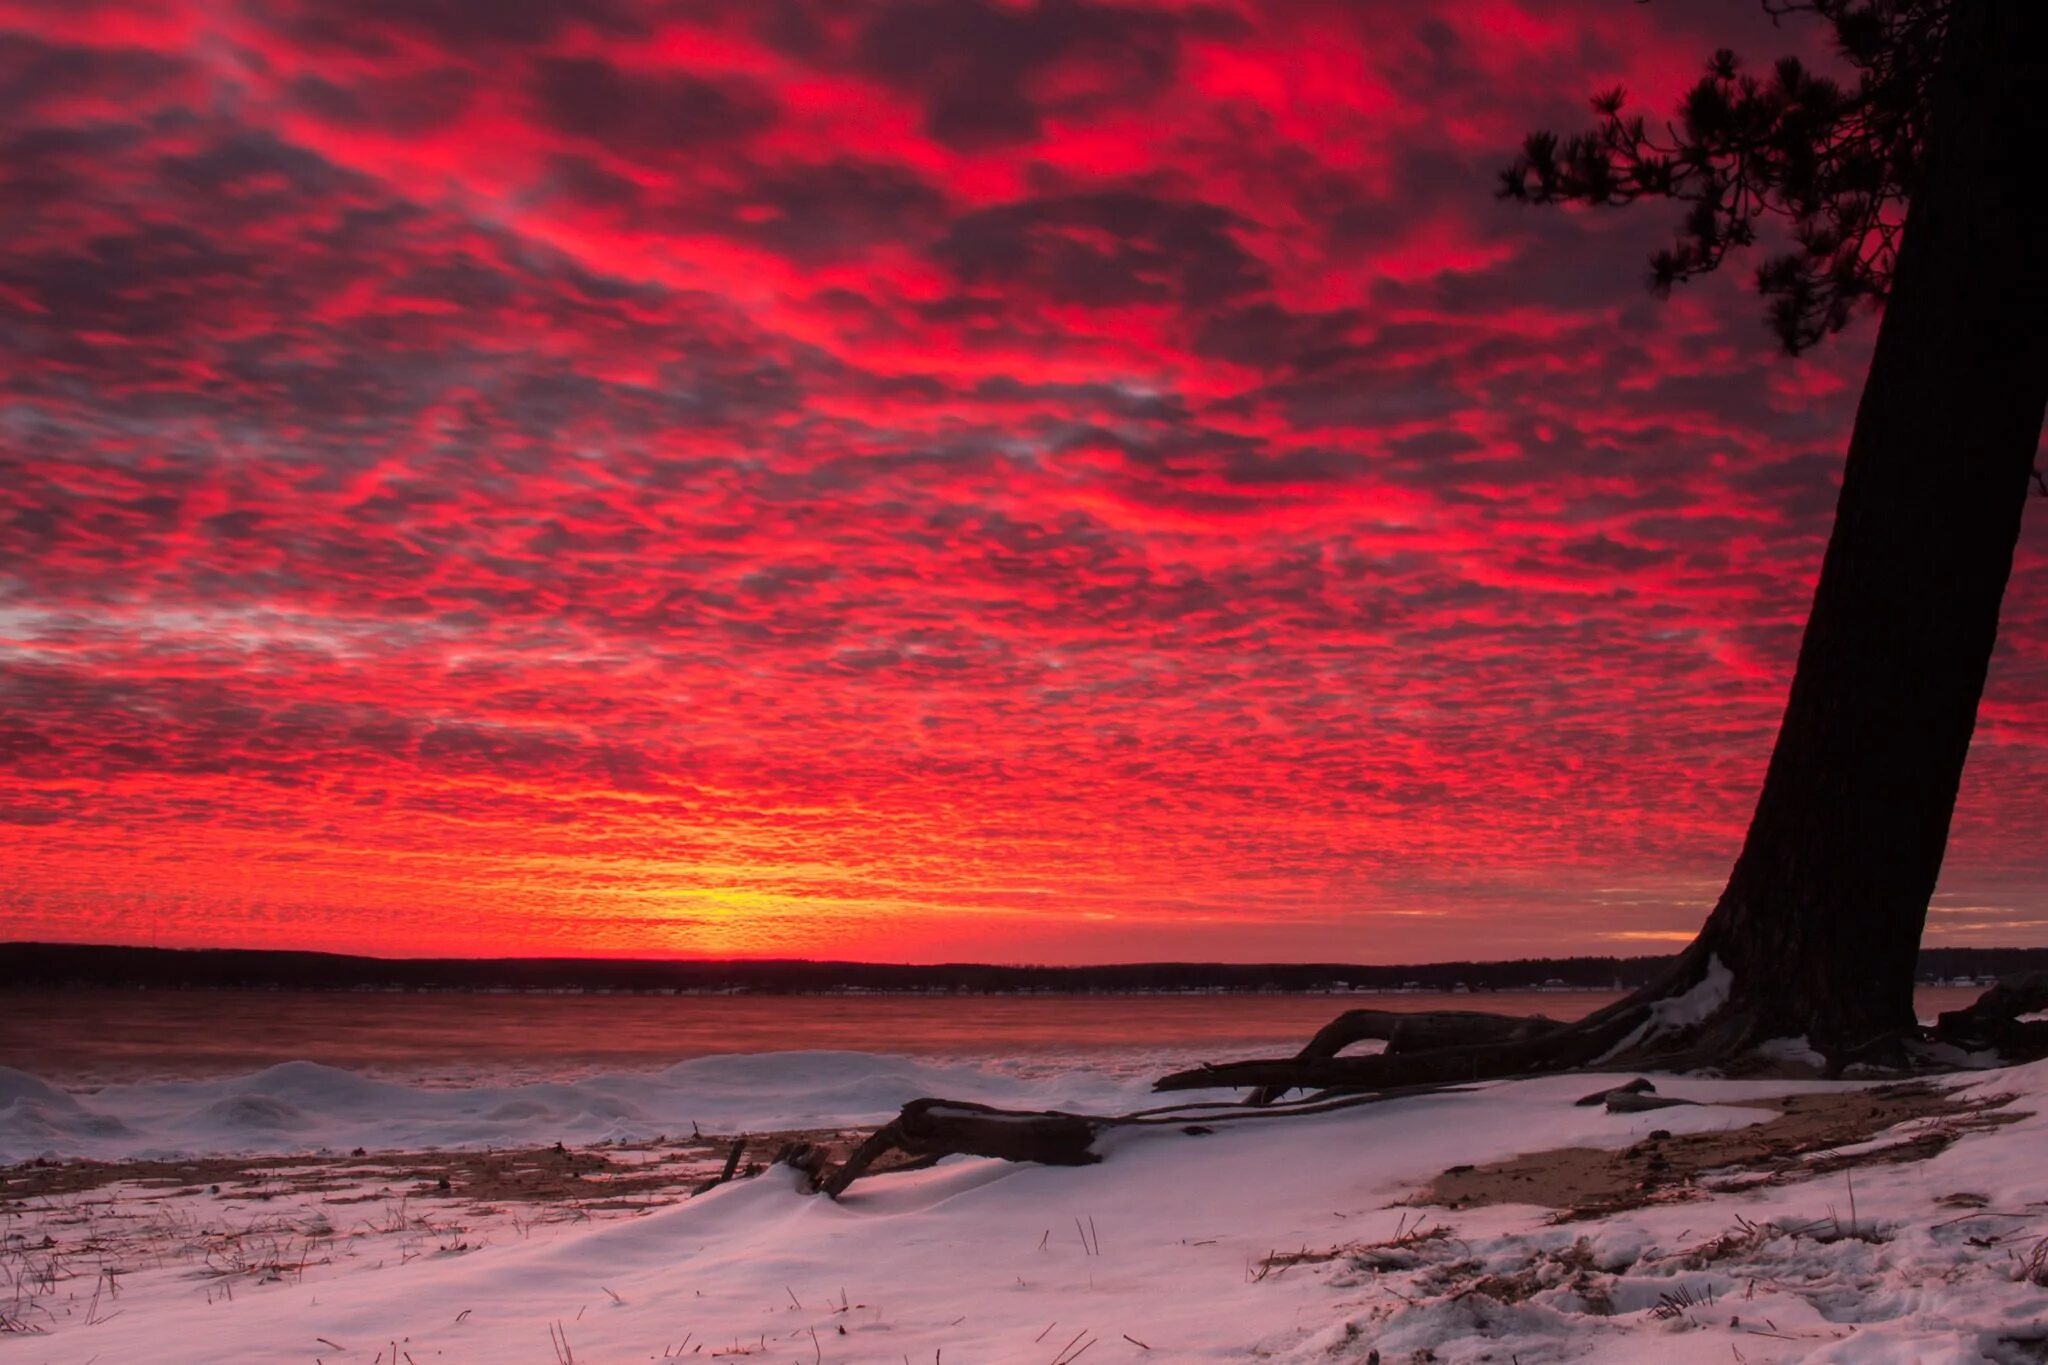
{"x": 92, "y": 1037}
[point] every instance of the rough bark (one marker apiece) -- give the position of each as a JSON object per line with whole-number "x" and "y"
{"x": 1822, "y": 916}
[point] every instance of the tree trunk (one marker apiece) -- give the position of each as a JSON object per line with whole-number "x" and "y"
{"x": 1821, "y": 919}
{"x": 1818, "y": 929}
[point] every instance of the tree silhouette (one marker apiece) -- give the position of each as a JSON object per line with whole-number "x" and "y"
{"x": 1836, "y": 165}
{"x": 1908, "y": 192}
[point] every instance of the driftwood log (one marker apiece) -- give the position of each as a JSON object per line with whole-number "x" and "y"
{"x": 934, "y": 1128}
{"x": 1994, "y": 1020}
{"x": 929, "y": 1129}
{"x": 806, "y": 1158}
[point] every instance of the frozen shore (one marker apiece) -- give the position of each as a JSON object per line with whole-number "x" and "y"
{"x": 1307, "y": 1240}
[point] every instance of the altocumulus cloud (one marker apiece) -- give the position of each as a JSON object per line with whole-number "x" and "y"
{"x": 911, "y": 479}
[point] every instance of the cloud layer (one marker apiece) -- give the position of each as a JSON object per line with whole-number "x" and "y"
{"x": 897, "y": 479}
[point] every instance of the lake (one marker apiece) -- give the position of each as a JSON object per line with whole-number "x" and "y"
{"x": 92, "y": 1037}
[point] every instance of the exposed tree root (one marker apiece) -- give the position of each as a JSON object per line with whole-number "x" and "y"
{"x": 1640, "y": 1031}
{"x": 1994, "y": 1021}
{"x": 1412, "y": 1033}
{"x": 1653, "y": 1028}
{"x": 1688, "y": 1020}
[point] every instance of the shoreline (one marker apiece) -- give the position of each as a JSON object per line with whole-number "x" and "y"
{"x": 78, "y": 966}
{"x": 1765, "y": 1221}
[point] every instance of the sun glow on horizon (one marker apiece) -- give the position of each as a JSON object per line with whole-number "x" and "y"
{"x": 1068, "y": 483}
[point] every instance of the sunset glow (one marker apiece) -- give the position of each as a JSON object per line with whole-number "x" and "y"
{"x": 908, "y": 479}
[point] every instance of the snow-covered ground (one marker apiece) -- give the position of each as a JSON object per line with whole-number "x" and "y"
{"x": 303, "y": 1106}
{"x": 1175, "y": 1248}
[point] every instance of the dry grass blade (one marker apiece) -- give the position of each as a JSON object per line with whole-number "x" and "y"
{"x": 2033, "y": 1267}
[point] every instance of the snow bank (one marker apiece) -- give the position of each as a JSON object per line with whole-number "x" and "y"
{"x": 302, "y": 1106}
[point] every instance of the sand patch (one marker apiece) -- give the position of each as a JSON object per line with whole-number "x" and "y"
{"x": 617, "y": 1175}
{"x": 1813, "y": 1134}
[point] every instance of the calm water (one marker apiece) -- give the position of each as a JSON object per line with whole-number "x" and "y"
{"x": 78, "y": 1037}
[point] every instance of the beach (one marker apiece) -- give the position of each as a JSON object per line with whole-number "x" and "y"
{"x": 308, "y": 1212}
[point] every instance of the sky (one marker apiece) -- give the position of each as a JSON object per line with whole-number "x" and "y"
{"x": 896, "y": 480}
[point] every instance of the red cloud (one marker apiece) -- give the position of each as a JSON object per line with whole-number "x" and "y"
{"x": 904, "y": 480}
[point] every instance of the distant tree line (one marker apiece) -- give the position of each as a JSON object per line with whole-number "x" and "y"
{"x": 68, "y": 965}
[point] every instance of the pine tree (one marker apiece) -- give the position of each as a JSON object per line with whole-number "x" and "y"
{"x": 1904, "y": 194}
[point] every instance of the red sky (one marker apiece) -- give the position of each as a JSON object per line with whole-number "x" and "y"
{"x": 906, "y": 479}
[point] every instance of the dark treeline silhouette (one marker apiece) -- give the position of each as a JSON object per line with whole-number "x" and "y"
{"x": 74, "y": 966}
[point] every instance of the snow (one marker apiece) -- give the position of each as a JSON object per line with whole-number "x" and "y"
{"x": 1696, "y": 1005}
{"x": 1681, "y": 1012}
{"x": 1166, "y": 1243}
{"x": 305, "y": 1106}
{"x": 1798, "y": 1051}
